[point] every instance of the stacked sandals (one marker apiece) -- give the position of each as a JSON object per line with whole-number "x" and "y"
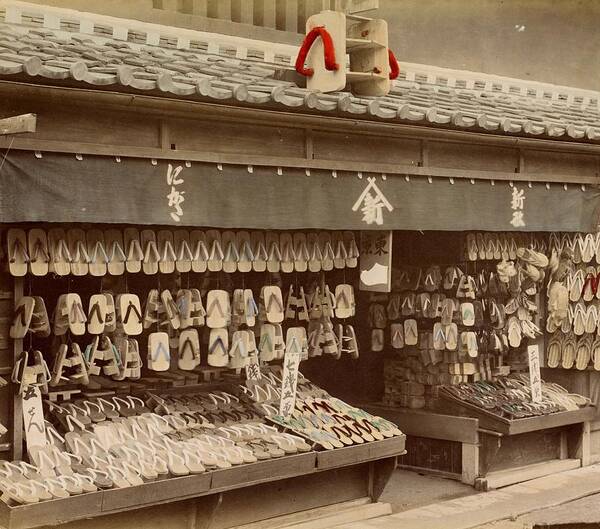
{"x": 100, "y": 252}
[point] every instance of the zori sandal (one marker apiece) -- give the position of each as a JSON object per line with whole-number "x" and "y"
{"x": 22, "y": 317}
{"x": 96, "y": 314}
{"x": 60, "y": 256}
{"x": 273, "y": 304}
{"x": 300, "y": 252}
{"x": 288, "y": 257}
{"x": 78, "y": 249}
{"x": 273, "y": 251}
{"x": 133, "y": 250}
{"x": 199, "y": 251}
{"x": 115, "y": 249}
{"x": 18, "y": 256}
{"x": 218, "y": 310}
{"x": 159, "y": 356}
{"x": 245, "y": 252}
{"x": 218, "y": 348}
{"x": 231, "y": 254}
{"x": 315, "y": 261}
{"x": 151, "y": 254}
{"x": 189, "y": 350}
{"x": 340, "y": 252}
{"x": 39, "y": 255}
{"x": 183, "y": 250}
{"x": 98, "y": 256}
{"x": 215, "y": 250}
{"x": 166, "y": 251}
{"x": 260, "y": 254}
{"x": 130, "y": 314}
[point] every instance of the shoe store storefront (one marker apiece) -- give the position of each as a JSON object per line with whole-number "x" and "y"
{"x": 224, "y": 290}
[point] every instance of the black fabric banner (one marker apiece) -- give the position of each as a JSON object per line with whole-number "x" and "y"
{"x": 99, "y": 189}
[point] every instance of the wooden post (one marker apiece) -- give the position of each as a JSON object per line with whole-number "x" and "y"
{"x": 220, "y": 9}
{"x": 17, "y": 408}
{"x": 242, "y": 11}
{"x": 470, "y": 463}
{"x": 287, "y": 15}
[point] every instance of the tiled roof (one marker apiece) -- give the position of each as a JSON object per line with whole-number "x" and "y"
{"x": 199, "y": 71}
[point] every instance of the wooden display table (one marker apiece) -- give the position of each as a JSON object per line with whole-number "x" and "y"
{"x": 488, "y": 453}
{"x": 269, "y": 488}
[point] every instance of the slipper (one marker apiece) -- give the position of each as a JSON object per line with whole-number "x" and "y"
{"x": 377, "y": 340}
{"x": 166, "y": 251}
{"x": 273, "y": 252}
{"x": 266, "y": 344}
{"x": 250, "y": 308}
{"x": 583, "y": 353}
{"x": 134, "y": 250}
{"x": 151, "y": 253}
{"x": 218, "y": 348}
{"x": 447, "y": 311}
{"x": 40, "y": 323}
{"x": 183, "y": 251}
{"x": 96, "y": 250}
{"x": 340, "y": 254}
{"x": 159, "y": 355}
{"x": 199, "y": 251}
{"x": 231, "y": 254}
{"x": 345, "y": 306}
{"x": 576, "y": 246}
{"x": 288, "y": 257}
{"x": 129, "y": 314}
{"x": 451, "y": 332}
{"x": 588, "y": 248}
{"x": 514, "y": 332}
{"x": 218, "y": 310}
{"x": 198, "y": 314}
{"x": 96, "y": 314}
{"x": 110, "y": 321}
{"x": 301, "y": 254}
{"x": 260, "y": 254}
{"x": 408, "y": 304}
{"x": 411, "y": 333}
{"x": 351, "y": 249}
{"x": 467, "y": 311}
{"x": 595, "y": 348}
{"x": 422, "y": 305}
{"x": 39, "y": 255}
{"x": 115, "y": 249}
{"x": 472, "y": 250}
{"x": 315, "y": 260}
{"x": 22, "y": 317}
{"x": 590, "y": 284}
{"x": 579, "y": 315}
{"x": 469, "y": 343}
{"x": 238, "y": 353}
{"x": 554, "y": 351}
{"x": 71, "y": 309}
{"x": 60, "y": 256}
{"x": 377, "y": 316}
{"x": 591, "y": 319}
{"x": 327, "y": 252}
{"x": 18, "y": 256}
{"x": 452, "y": 275}
{"x": 189, "y": 350}
{"x": 171, "y": 309}
{"x": 397, "y": 335}
{"x": 568, "y": 352}
{"x": 439, "y": 337}
{"x": 273, "y": 303}
{"x": 78, "y": 249}
{"x": 246, "y": 254}
{"x": 184, "y": 308}
{"x": 215, "y": 251}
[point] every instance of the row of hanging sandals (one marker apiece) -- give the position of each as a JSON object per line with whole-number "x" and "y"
{"x": 100, "y": 252}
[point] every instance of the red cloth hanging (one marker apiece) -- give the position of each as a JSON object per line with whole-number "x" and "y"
{"x": 394, "y": 66}
{"x": 329, "y": 51}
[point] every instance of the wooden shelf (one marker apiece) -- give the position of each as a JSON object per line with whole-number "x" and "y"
{"x": 361, "y": 44}
{"x": 111, "y": 501}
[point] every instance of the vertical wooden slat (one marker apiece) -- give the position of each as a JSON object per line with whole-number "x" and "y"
{"x": 220, "y": 9}
{"x": 242, "y": 11}
{"x": 198, "y": 7}
{"x": 287, "y": 15}
{"x": 17, "y": 411}
{"x": 268, "y": 13}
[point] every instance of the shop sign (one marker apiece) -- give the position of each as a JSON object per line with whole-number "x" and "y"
{"x": 253, "y": 368}
{"x": 175, "y": 196}
{"x": 535, "y": 378}
{"x": 375, "y": 261}
{"x": 291, "y": 362}
{"x": 33, "y": 417}
{"x": 517, "y": 204}
{"x": 371, "y": 203}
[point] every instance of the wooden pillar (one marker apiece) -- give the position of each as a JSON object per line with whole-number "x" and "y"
{"x": 195, "y": 7}
{"x": 268, "y": 12}
{"x": 470, "y": 463}
{"x": 242, "y": 11}
{"x": 220, "y": 9}
{"x": 17, "y": 411}
{"x": 287, "y": 15}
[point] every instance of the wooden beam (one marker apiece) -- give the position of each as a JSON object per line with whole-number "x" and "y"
{"x": 17, "y": 407}
{"x": 184, "y": 108}
{"x": 274, "y": 161}
{"x": 18, "y": 124}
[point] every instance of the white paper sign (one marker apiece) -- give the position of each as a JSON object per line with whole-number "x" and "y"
{"x": 535, "y": 379}
{"x": 33, "y": 417}
{"x": 375, "y": 261}
{"x": 291, "y": 361}
{"x": 253, "y": 368}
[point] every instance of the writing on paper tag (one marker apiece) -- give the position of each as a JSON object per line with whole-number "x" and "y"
{"x": 289, "y": 381}
{"x": 253, "y": 368}
{"x": 535, "y": 379}
{"x": 33, "y": 417}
